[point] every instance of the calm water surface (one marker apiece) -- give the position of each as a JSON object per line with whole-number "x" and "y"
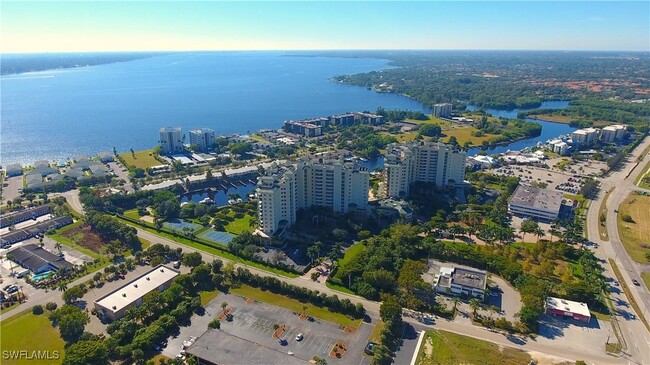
{"x": 56, "y": 115}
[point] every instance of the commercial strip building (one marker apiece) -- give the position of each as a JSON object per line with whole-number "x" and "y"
{"x": 442, "y": 110}
{"x": 460, "y": 281}
{"x": 567, "y": 308}
{"x": 535, "y": 203}
{"x": 37, "y": 259}
{"x": 31, "y": 231}
{"x": 286, "y": 188}
{"x": 114, "y": 305}
{"x": 171, "y": 140}
{"x": 428, "y": 162}
{"x": 9, "y": 219}
{"x": 216, "y": 347}
{"x": 203, "y": 138}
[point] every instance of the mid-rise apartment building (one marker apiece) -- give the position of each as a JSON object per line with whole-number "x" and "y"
{"x": 429, "y": 162}
{"x": 203, "y": 138}
{"x": 171, "y": 140}
{"x": 585, "y": 136}
{"x": 613, "y": 133}
{"x": 442, "y": 110}
{"x": 285, "y": 189}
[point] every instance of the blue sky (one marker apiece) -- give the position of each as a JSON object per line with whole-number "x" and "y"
{"x": 28, "y": 26}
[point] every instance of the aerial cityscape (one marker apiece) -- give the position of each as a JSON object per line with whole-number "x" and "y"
{"x": 410, "y": 183}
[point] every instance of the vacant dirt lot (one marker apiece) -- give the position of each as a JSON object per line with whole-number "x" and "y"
{"x": 84, "y": 237}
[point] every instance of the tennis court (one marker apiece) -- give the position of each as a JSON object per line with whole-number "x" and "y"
{"x": 178, "y": 225}
{"x": 217, "y": 236}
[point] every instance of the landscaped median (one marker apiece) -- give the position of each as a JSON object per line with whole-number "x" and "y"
{"x": 204, "y": 246}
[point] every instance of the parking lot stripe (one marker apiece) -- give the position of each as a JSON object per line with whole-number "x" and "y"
{"x": 310, "y": 341}
{"x": 325, "y": 346}
{"x": 318, "y": 343}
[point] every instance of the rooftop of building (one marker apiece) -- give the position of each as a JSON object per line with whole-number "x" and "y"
{"x": 567, "y": 306}
{"x": 470, "y": 278}
{"x": 34, "y": 257}
{"x": 533, "y": 197}
{"x": 220, "y": 347}
{"x": 137, "y": 288}
{"x": 202, "y": 130}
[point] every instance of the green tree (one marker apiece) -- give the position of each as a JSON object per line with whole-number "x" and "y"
{"x": 475, "y": 304}
{"x": 192, "y": 259}
{"x": 73, "y": 294}
{"x": 214, "y": 324}
{"x": 71, "y": 322}
{"x": 86, "y": 352}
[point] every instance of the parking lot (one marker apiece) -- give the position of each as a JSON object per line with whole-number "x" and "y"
{"x": 10, "y": 192}
{"x": 554, "y": 180}
{"x": 255, "y": 321}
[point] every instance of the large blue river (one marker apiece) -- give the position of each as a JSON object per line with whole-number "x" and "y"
{"x": 58, "y": 114}
{"x": 55, "y": 115}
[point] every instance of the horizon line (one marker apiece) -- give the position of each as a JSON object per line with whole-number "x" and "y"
{"x": 327, "y": 50}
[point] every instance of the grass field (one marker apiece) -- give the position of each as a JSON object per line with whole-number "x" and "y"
{"x": 72, "y": 241}
{"x": 407, "y": 137}
{"x": 552, "y": 118}
{"x": 440, "y": 347}
{"x": 207, "y": 296}
{"x": 465, "y": 134}
{"x": 132, "y": 213}
{"x": 635, "y": 236}
{"x": 432, "y": 119}
{"x": 295, "y": 305}
{"x": 143, "y": 159}
{"x": 239, "y": 225}
{"x": 352, "y": 252}
{"x": 26, "y": 331}
{"x": 646, "y": 279}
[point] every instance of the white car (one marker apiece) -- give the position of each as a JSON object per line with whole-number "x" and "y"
{"x": 299, "y": 337}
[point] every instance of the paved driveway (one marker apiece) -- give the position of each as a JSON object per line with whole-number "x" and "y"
{"x": 10, "y": 192}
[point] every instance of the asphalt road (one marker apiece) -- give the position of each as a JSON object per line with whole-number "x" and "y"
{"x": 637, "y": 336}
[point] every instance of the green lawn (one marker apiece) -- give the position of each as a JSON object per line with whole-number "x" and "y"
{"x": 143, "y": 159}
{"x": 640, "y": 180}
{"x": 132, "y": 213}
{"x": 352, "y": 252}
{"x": 440, "y": 347}
{"x": 207, "y": 296}
{"x": 340, "y": 288}
{"x": 210, "y": 249}
{"x": 635, "y": 235}
{"x": 295, "y": 305}
{"x": 240, "y": 225}
{"x": 26, "y": 331}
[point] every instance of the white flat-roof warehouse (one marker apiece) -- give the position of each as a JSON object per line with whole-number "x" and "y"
{"x": 114, "y": 304}
{"x": 568, "y": 308}
{"x": 535, "y": 203}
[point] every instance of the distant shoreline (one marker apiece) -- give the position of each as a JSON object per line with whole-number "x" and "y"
{"x": 19, "y": 64}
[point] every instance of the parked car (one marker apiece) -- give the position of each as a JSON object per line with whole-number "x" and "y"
{"x": 299, "y": 337}
{"x": 635, "y": 282}
{"x": 282, "y": 342}
{"x": 370, "y": 347}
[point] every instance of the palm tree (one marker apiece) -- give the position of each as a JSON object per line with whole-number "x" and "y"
{"x": 475, "y": 304}
{"x": 62, "y": 286}
{"x": 57, "y": 246}
{"x": 456, "y": 230}
{"x": 224, "y": 305}
{"x": 455, "y": 300}
{"x": 554, "y": 232}
{"x": 539, "y": 233}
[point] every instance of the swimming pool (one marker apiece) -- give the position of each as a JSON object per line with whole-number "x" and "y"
{"x": 41, "y": 276}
